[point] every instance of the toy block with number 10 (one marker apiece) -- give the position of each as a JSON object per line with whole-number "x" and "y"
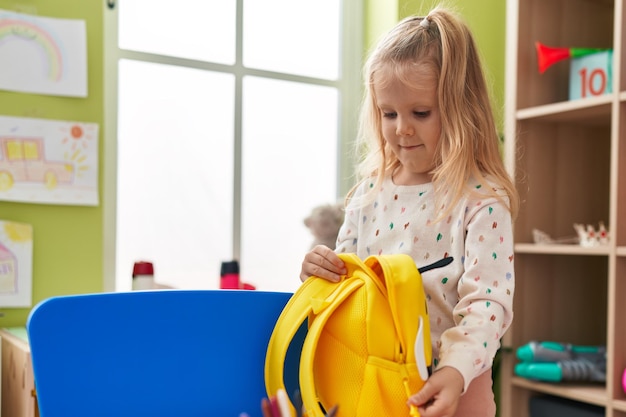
{"x": 591, "y": 75}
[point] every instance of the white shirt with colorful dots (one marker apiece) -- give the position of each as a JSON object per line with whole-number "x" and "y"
{"x": 470, "y": 301}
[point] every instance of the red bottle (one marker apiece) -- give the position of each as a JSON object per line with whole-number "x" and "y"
{"x": 143, "y": 276}
{"x": 229, "y": 277}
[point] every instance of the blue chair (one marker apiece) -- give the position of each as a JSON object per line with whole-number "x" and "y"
{"x": 170, "y": 353}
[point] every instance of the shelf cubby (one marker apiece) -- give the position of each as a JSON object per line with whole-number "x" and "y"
{"x": 568, "y": 159}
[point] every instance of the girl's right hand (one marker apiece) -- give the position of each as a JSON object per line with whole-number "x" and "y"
{"x": 439, "y": 397}
{"x": 322, "y": 262}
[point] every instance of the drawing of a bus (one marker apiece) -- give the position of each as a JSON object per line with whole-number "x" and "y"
{"x": 22, "y": 159}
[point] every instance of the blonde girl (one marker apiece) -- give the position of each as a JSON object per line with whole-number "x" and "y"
{"x": 432, "y": 184}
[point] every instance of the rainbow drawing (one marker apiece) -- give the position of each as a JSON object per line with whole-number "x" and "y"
{"x": 11, "y": 26}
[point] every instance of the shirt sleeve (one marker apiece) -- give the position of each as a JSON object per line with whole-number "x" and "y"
{"x": 485, "y": 308}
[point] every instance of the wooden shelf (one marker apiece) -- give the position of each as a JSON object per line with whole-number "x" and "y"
{"x": 554, "y": 249}
{"x": 591, "y": 394}
{"x": 568, "y": 158}
{"x": 593, "y": 110}
{"x": 619, "y": 405}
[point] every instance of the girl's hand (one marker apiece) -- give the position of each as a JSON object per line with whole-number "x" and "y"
{"x": 322, "y": 262}
{"x": 440, "y": 395}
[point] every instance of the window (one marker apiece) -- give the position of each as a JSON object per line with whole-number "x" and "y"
{"x": 227, "y": 122}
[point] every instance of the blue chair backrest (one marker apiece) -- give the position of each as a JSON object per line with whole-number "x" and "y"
{"x": 170, "y": 353}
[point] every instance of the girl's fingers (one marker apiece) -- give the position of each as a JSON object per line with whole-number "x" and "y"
{"x": 324, "y": 263}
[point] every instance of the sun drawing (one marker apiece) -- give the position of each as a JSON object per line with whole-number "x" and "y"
{"x": 77, "y": 137}
{"x": 18, "y": 232}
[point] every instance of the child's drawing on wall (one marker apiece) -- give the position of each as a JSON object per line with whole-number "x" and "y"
{"x": 48, "y": 161}
{"x": 43, "y": 55}
{"x": 16, "y": 259}
{"x": 8, "y": 271}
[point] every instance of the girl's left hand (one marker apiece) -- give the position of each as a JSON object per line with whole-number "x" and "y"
{"x": 440, "y": 395}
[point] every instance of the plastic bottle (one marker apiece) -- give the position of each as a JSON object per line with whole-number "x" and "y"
{"x": 229, "y": 276}
{"x": 143, "y": 276}
{"x": 230, "y": 279}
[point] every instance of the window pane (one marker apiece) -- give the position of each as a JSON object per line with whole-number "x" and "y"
{"x": 289, "y": 167}
{"x": 175, "y": 165}
{"x": 292, "y": 36}
{"x": 203, "y": 30}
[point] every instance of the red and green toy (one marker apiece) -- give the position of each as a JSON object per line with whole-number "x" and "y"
{"x": 549, "y": 55}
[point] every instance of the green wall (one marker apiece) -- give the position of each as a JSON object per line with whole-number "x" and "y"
{"x": 68, "y": 240}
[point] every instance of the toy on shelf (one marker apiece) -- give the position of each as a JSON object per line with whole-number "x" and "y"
{"x": 547, "y": 55}
{"x": 561, "y": 362}
{"x": 590, "y": 69}
{"x": 541, "y": 237}
{"x": 586, "y": 236}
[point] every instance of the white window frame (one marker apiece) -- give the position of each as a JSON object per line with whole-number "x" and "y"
{"x": 348, "y": 85}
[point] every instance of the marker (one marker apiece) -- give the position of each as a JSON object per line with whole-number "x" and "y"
{"x": 274, "y": 407}
{"x": 333, "y": 411}
{"x": 283, "y": 403}
{"x": 266, "y": 408}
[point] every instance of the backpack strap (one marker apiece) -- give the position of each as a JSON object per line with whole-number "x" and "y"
{"x": 317, "y": 297}
{"x": 402, "y": 282}
{"x": 407, "y": 302}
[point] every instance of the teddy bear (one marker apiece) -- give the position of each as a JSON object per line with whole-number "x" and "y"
{"x": 324, "y": 223}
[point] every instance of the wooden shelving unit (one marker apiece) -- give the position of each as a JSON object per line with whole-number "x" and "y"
{"x": 568, "y": 158}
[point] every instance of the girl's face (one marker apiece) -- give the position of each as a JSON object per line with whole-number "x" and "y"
{"x": 411, "y": 122}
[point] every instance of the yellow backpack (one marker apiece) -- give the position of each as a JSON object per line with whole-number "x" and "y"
{"x": 367, "y": 347}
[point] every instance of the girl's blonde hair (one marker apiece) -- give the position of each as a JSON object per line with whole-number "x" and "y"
{"x": 469, "y": 146}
